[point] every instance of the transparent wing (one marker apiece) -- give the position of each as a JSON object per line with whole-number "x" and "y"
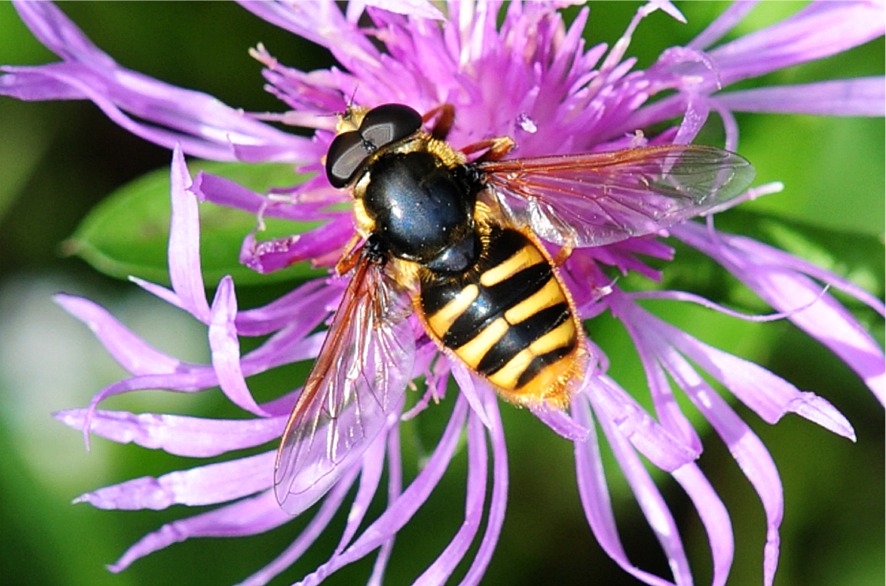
{"x": 359, "y": 379}
{"x": 601, "y": 198}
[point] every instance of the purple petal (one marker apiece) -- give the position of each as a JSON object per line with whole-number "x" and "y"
{"x": 188, "y": 379}
{"x": 749, "y": 452}
{"x": 59, "y": 35}
{"x": 321, "y": 246}
{"x": 161, "y": 113}
{"x": 654, "y": 508}
{"x": 746, "y": 448}
{"x": 205, "y": 485}
{"x": 499, "y": 497}
{"x": 837, "y": 97}
{"x": 730, "y": 127}
{"x": 176, "y": 434}
{"x": 203, "y": 126}
{"x": 30, "y": 84}
{"x": 697, "y": 111}
{"x": 714, "y": 517}
{"x": 472, "y": 388}
{"x": 395, "y": 489}
{"x": 724, "y": 23}
{"x": 287, "y": 346}
{"x": 371, "y": 468}
{"x": 779, "y": 279}
{"x": 322, "y": 23}
{"x": 770, "y": 396}
{"x": 666, "y": 406}
{"x": 246, "y": 517}
{"x": 228, "y": 193}
{"x": 610, "y": 401}
{"x": 765, "y": 255}
{"x": 818, "y": 30}
{"x": 560, "y": 422}
{"x": 160, "y": 292}
{"x": 301, "y": 301}
{"x": 667, "y": 7}
{"x": 594, "y": 494}
{"x": 130, "y": 351}
{"x": 415, "y": 8}
{"x": 831, "y": 324}
{"x": 310, "y": 95}
{"x": 185, "y": 271}
{"x": 225, "y": 346}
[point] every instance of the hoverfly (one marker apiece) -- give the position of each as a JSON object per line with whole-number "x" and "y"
{"x": 458, "y": 242}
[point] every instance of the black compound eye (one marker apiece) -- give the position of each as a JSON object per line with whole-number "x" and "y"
{"x": 389, "y": 123}
{"x": 346, "y": 156}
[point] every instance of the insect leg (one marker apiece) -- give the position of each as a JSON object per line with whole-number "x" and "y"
{"x": 570, "y": 239}
{"x": 565, "y": 252}
{"x": 445, "y": 115}
{"x": 350, "y": 255}
{"x": 495, "y": 148}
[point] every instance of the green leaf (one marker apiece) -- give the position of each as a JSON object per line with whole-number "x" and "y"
{"x": 127, "y": 233}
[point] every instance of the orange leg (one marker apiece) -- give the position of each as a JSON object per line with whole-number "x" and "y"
{"x": 350, "y": 256}
{"x": 495, "y": 148}
{"x": 570, "y": 237}
{"x": 445, "y": 115}
{"x": 564, "y": 253}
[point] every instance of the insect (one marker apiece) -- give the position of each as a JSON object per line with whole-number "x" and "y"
{"x": 455, "y": 236}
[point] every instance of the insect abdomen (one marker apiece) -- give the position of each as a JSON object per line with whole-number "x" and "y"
{"x": 508, "y": 318}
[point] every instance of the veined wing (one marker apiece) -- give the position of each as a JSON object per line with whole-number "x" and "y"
{"x": 601, "y": 198}
{"x": 358, "y": 380}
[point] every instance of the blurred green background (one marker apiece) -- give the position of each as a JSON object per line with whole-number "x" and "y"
{"x": 57, "y": 160}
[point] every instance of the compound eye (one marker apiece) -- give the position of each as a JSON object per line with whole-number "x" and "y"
{"x": 346, "y": 156}
{"x": 389, "y": 123}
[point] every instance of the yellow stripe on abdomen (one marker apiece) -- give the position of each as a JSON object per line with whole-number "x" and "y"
{"x": 545, "y": 297}
{"x": 522, "y": 258}
{"x": 474, "y": 351}
{"x": 443, "y": 319}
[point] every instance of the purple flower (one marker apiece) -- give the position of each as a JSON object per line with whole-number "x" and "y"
{"x": 530, "y": 78}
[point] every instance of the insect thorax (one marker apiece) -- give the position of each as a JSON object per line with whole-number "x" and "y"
{"x": 421, "y": 208}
